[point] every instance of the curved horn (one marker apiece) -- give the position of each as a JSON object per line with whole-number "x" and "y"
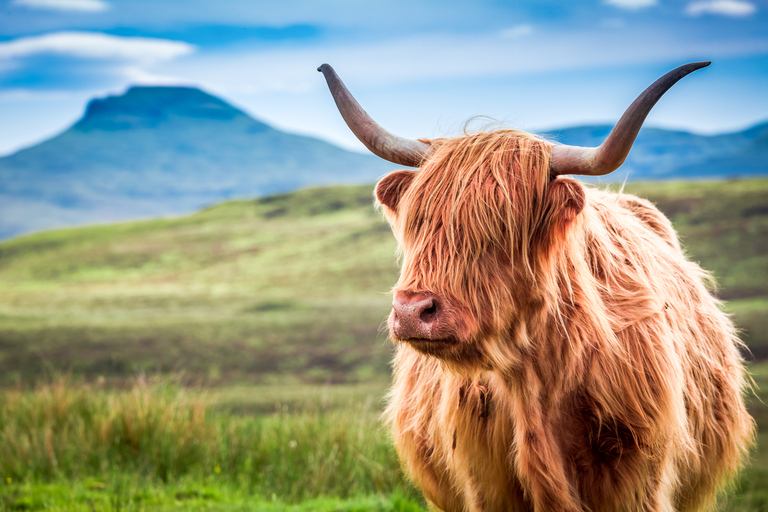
{"x": 609, "y": 155}
{"x": 379, "y": 141}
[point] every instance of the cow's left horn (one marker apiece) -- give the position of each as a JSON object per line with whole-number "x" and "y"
{"x": 383, "y": 144}
{"x": 609, "y": 156}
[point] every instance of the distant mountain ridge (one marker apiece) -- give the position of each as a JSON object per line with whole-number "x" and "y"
{"x": 668, "y": 154}
{"x": 157, "y": 151}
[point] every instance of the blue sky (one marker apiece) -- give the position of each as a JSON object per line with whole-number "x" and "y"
{"x": 421, "y": 68}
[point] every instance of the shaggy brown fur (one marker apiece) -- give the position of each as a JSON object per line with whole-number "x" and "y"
{"x": 588, "y": 369}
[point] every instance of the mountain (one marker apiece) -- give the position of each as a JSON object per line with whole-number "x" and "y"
{"x": 156, "y": 151}
{"x": 667, "y": 154}
{"x": 162, "y": 150}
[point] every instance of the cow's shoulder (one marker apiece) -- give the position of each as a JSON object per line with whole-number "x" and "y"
{"x": 641, "y": 209}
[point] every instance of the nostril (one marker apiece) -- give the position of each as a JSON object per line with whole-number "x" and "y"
{"x": 429, "y": 314}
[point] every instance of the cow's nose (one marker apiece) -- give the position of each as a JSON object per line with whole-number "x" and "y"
{"x": 415, "y": 315}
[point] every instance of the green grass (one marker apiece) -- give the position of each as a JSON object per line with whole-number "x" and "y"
{"x": 154, "y": 445}
{"x": 69, "y": 446}
{"x": 124, "y": 494}
{"x": 289, "y": 289}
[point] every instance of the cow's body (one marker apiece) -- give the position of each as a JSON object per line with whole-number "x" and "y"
{"x": 612, "y": 383}
{"x": 555, "y": 349}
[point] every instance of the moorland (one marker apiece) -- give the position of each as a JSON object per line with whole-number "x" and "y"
{"x": 234, "y": 359}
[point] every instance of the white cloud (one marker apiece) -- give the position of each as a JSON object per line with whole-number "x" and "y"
{"x": 95, "y": 45}
{"x": 441, "y": 57}
{"x": 631, "y": 5}
{"x": 65, "y": 5}
{"x": 733, "y": 8}
{"x": 517, "y": 31}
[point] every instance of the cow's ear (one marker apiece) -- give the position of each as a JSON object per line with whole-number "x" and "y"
{"x": 565, "y": 199}
{"x": 391, "y": 188}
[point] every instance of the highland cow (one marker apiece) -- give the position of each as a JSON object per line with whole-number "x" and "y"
{"x": 555, "y": 349}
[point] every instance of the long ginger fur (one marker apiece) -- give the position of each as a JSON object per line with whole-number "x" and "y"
{"x": 593, "y": 370}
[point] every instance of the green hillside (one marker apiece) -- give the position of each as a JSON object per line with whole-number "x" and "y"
{"x": 289, "y": 288}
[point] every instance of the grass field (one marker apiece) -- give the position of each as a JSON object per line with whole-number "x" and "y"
{"x": 258, "y": 323}
{"x": 155, "y": 445}
{"x": 69, "y": 445}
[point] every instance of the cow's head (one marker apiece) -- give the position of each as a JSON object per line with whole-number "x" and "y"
{"x": 477, "y": 222}
{"x": 470, "y": 224}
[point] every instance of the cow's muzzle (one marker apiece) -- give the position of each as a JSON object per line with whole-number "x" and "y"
{"x": 419, "y": 317}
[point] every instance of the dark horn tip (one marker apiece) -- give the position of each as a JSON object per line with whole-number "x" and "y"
{"x": 701, "y": 64}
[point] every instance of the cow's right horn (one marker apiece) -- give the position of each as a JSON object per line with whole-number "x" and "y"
{"x": 609, "y": 155}
{"x": 379, "y": 141}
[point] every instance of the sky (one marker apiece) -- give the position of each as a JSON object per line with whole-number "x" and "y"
{"x": 420, "y": 68}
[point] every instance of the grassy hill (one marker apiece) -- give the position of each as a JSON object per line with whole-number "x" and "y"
{"x": 289, "y": 288}
{"x": 288, "y": 285}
